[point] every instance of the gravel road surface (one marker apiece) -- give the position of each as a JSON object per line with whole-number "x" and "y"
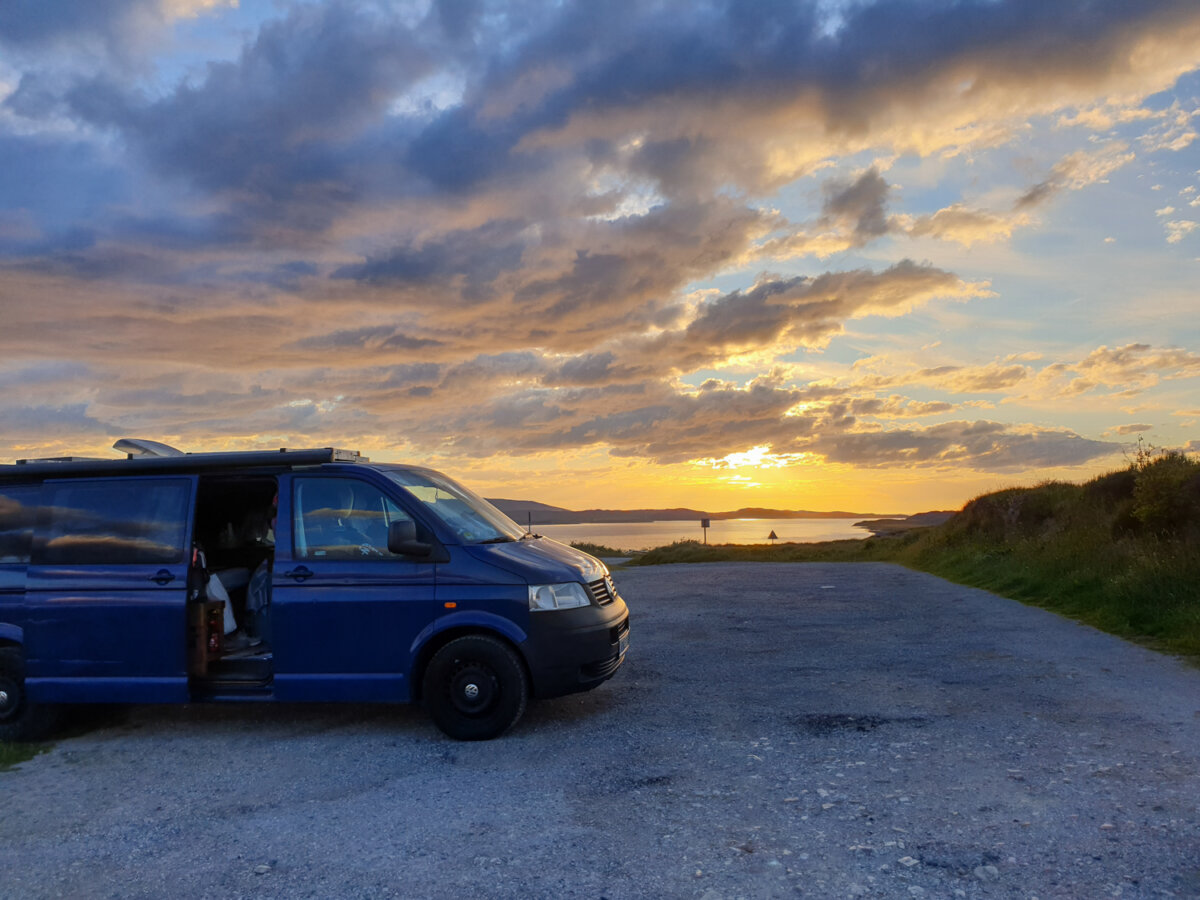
{"x": 777, "y": 730}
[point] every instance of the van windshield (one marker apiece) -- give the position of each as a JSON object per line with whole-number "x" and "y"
{"x": 472, "y": 518}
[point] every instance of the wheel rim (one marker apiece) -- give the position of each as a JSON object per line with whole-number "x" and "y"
{"x": 10, "y": 698}
{"x": 473, "y": 689}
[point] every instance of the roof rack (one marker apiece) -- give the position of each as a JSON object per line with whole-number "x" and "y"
{"x": 62, "y": 459}
{"x": 283, "y": 458}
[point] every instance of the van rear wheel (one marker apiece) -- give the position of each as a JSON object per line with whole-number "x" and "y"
{"x": 20, "y": 719}
{"x": 475, "y": 688}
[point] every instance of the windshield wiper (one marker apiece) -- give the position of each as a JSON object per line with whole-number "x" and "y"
{"x": 530, "y": 536}
{"x": 498, "y": 540}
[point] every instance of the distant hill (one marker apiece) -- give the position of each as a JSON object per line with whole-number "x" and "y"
{"x": 506, "y": 505}
{"x": 888, "y": 526}
{"x": 522, "y": 511}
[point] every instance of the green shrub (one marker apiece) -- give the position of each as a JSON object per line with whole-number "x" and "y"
{"x": 1112, "y": 489}
{"x": 1124, "y": 523}
{"x": 599, "y": 549}
{"x": 1163, "y": 493}
{"x": 1017, "y": 512}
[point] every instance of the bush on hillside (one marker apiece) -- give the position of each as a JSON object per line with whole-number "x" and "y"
{"x": 1018, "y": 513}
{"x": 1166, "y": 493}
{"x": 1113, "y": 489}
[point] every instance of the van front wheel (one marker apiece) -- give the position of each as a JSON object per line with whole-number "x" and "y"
{"x": 20, "y": 719}
{"x": 475, "y": 688}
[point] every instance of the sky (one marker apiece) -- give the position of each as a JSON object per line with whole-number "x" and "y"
{"x": 873, "y": 256}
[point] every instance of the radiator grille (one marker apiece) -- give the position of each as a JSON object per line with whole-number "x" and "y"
{"x": 602, "y": 591}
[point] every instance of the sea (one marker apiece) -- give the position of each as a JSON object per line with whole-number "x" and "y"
{"x": 647, "y": 535}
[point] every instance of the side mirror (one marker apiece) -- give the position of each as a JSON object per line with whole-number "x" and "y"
{"x": 402, "y": 539}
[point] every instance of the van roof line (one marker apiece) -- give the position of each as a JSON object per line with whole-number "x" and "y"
{"x": 185, "y": 462}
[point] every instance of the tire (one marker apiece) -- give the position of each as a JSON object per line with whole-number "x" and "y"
{"x": 475, "y": 688}
{"x": 20, "y": 719}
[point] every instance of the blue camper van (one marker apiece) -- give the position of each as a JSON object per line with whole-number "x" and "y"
{"x": 290, "y": 575}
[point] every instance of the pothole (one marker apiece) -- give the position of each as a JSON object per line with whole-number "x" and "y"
{"x": 828, "y": 723}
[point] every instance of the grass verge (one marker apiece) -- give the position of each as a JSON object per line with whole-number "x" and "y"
{"x": 15, "y": 754}
{"x": 600, "y": 549}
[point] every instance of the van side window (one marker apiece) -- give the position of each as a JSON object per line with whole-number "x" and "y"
{"x": 341, "y": 518}
{"x": 18, "y": 511}
{"x": 114, "y": 522}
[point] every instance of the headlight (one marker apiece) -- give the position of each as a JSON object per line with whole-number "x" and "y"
{"x": 557, "y": 596}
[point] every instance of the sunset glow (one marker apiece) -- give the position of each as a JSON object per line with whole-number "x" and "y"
{"x": 875, "y": 256}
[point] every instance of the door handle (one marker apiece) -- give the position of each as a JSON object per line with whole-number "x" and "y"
{"x": 163, "y": 576}
{"x": 300, "y": 573}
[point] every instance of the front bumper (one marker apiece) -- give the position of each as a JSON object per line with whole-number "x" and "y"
{"x": 572, "y": 650}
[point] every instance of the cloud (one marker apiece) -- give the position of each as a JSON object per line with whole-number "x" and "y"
{"x": 994, "y": 377}
{"x": 800, "y": 75}
{"x": 1126, "y": 370}
{"x": 1174, "y": 133}
{"x": 846, "y": 412}
{"x": 985, "y": 446}
{"x": 298, "y": 133}
{"x": 1137, "y": 365}
{"x": 807, "y": 311}
{"x": 116, "y": 25}
{"x": 384, "y": 338}
{"x": 39, "y": 425}
{"x": 861, "y": 204}
{"x": 855, "y": 210}
{"x": 652, "y": 422}
{"x": 519, "y": 228}
{"x": 1105, "y": 116}
{"x": 273, "y": 132}
{"x": 717, "y": 420}
{"x": 1178, "y": 229}
{"x": 1075, "y": 171}
{"x": 478, "y": 257}
{"x": 1130, "y": 429}
{"x": 854, "y": 213}
{"x": 776, "y": 315}
{"x": 966, "y": 226}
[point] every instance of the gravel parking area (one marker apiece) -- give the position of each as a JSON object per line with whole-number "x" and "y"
{"x": 777, "y": 730}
